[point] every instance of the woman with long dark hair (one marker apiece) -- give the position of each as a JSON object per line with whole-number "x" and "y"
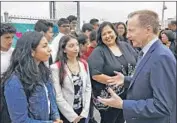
{"x": 110, "y": 55}
{"x": 71, "y": 81}
{"x": 168, "y": 39}
{"x": 27, "y": 89}
{"x": 122, "y": 31}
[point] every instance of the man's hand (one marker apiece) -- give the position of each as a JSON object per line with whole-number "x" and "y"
{"x": 115, "y": 101}
{"x": 117, "y": 80}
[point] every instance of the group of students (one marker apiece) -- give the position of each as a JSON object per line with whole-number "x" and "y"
{"x": 60, "y": 83}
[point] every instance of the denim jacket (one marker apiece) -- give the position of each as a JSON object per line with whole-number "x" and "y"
{"x": 33, "y": 109}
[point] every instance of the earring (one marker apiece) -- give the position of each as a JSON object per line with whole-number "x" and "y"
{"x": 32, "y": 54}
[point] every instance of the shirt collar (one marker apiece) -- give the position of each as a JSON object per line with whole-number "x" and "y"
{"x": 147, "y": 47}
{"x": 6, "y": 52}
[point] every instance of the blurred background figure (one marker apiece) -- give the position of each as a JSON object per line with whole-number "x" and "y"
{"x": 64, "y": 29}
{"x": 172, "y": 26}
{"x": 45, "y": 27}
{"x": 83, "y": 43}
{"x": 122, "y": 31}
{"x": 169, "y": 40}
{"x": 73, "y": 24}
{"x": 95, "y": 23}
{"x": 87, "y": 28}
{"x": 7, "y": 33}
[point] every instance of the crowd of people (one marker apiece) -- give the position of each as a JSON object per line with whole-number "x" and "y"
{"x": 126, "y": 71}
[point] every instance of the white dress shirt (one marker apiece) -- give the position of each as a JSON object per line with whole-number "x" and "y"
{"x": 54, "y": 46}
{"x": 147, "y": 47}
{"x": 5, "y": 59}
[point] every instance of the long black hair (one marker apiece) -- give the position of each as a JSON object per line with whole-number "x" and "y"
{"x": 62, "y": 56}
{"x": 23, "y": 64}
{"x": 100, "y": 29}
{"x": 121, "y": 23}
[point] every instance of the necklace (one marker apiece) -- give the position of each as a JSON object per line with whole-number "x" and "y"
{"x": 74, "y": 72}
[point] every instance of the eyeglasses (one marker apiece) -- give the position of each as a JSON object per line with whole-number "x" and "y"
{"x": 74, "y": 22}
{"x": 64, "y": 26}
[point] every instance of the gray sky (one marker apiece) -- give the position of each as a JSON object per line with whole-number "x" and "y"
{"x": 110, "y": 11}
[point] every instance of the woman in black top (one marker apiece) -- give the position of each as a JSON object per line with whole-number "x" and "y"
{"x": 168, "y": 39}
{"x": 110, "y": 55}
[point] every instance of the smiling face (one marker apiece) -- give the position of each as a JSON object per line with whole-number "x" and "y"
{"x": 164, "y": 38}
{"x": 72, "y": 48}
{"x": 108, "y": 36}
{"x": 121, "y": 29}
{"x": 42, "y": 51}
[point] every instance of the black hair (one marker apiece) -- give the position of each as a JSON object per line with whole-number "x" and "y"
{"x": 169, "y": 34}
{"x": 87, "y": 26}
{"x": 23, "y": 64}
{"x": 7, "y": 28}
{"x": 93, "y": 21}
{"x": 43, "y": 26}
{"x": 93, "y": 35}
{"x": 61, "y": 55}
{"x": 173, "y": 22}
{"x": 62, "y": 21}
{"x": 160, "y": 33}
{"x": 100, "y": 29}
{"x": 121, "y": 23}
{"x": 71, "y": 18}
{"x": 82, "y": 39}
{"x": 126, "y": 22}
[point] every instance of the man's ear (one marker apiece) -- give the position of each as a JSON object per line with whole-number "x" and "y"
{"x": 149, "y": 29}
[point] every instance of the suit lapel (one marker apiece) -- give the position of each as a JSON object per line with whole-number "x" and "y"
{"x": 143, "y": 62}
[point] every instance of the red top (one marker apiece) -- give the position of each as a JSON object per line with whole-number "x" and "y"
{"x": 87, "y": 54}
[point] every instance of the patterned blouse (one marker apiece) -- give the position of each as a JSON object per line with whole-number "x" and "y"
{"x": 77, "y": 91}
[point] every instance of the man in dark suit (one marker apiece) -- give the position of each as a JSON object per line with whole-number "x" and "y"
{"x": 151, "y": 96}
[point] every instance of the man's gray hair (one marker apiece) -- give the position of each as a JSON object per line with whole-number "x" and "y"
{"x": 147, "y": 18}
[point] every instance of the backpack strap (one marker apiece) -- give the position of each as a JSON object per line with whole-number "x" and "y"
{"x": 58, "y": 64}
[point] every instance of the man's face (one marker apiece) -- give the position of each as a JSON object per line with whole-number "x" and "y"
{"x": 84, "y": 47}
{"x": 96, "y": 26}
{"x": 6, "y": 41}
{"x": 170, "y": 26}
{"x": 49, "y": 34}
{"x": 73, "y": 25}
{"x": 136, "y": 33}
{"x": 65, "y": 28}
{"x": 87, "y": 33}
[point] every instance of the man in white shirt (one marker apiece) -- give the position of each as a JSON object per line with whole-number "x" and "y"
{"x": 64, "y": 29}
{"x": 45, "y": 27}
{"x": 7, "y": 33}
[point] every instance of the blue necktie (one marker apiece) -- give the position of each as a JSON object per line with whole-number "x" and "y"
{"x": 140, "y": 56}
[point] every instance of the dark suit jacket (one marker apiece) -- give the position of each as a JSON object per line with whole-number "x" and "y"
{"x": 151, "y": 97}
